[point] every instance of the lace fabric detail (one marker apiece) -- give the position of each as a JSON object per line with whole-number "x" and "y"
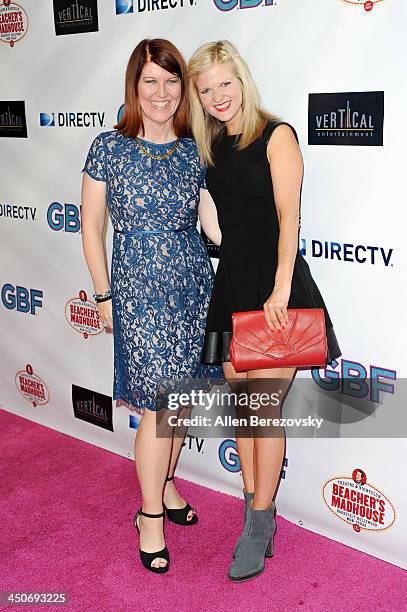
{"x": 161, "y": 283}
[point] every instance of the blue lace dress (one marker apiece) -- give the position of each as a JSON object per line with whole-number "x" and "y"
{"x": 161, "y": 275}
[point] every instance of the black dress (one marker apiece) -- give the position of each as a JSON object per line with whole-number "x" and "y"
{"x": 241, "y": 187}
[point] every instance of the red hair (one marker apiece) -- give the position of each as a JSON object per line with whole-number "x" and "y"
{"x": 163, "y": 53}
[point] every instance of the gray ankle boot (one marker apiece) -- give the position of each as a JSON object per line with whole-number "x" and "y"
{"x": 248, "y": 498}
{"x": 256, "y": 540}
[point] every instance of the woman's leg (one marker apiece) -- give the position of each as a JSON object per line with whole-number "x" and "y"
{"x": 245, "y": 445}
{"x": 269, "y": 443}
{"x": 152, "y": 455}
{"x": 172, "y": 499}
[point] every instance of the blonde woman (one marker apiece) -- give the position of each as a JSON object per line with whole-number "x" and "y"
{"x": 254, "y": 175}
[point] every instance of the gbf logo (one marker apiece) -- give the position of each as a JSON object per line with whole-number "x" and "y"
{"x": 120, "y": 113}
{"x": 228, "y": 456}
{"x": 65, "y": 217}
{"x": 229, "y": 5}
{"x": 21, "y": 299}
{"x": 352, "y": 379}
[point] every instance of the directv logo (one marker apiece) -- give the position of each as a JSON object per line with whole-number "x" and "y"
{"x": 123, "y": 7}
{"x": 72, "y": 120}
{"x": 134, "y": 422}
{"x": 347, "y": 252}
{"x": 47, "y": 120}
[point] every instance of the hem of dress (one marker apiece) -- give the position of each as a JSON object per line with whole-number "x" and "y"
{"x": 217, "y": 347}
{"x": 132, "y": 406}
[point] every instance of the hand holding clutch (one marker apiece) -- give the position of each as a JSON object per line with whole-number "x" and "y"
{"x": 302, "y": 343}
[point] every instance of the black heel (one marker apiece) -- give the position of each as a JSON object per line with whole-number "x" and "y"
{"x": 179, "y": 516}
{"x": 146, "y": 557}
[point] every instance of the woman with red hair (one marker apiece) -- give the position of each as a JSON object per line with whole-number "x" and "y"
{"x": 147, "y": 171}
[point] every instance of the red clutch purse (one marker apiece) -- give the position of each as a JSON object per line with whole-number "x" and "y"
{"x": 255, "y": 346}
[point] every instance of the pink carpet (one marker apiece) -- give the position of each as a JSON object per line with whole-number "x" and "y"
{"x": 67, "y": 510}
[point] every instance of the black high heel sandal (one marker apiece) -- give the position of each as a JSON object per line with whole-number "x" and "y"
{"x": 146, "y": 557}
{"x": 179, "y": 516}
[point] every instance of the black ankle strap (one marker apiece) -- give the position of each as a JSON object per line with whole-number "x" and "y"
{"x": 150, "y": 515}
{"x": 169, "y": 478}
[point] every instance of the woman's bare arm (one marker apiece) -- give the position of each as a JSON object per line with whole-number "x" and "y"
{"x": 208, "y": 217}
{"x": 93, "y": 215}
{"x": 286, "y": 167}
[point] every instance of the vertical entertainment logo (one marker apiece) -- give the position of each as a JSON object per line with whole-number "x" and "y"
{"x": 75, "y": 16}
{"x": 92, "y": 407}
{"x": 13, "y": 122}
{"x": 352, "y": 118}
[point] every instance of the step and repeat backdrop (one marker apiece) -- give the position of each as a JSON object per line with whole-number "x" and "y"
{"x": 332, "y": 68}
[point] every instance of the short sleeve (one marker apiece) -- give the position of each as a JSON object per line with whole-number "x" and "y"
{"x": 95, "y": 164}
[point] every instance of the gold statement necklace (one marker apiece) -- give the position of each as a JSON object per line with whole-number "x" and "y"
{"x": 144, "y": 150}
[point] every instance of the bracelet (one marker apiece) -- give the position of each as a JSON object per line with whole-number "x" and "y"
{"x": 102, "y": 297}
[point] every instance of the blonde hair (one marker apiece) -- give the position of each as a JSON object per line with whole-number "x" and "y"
{"x": 207, "y": 129}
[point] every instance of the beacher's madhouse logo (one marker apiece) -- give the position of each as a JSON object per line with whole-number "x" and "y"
{"x": 32, "y": 387}
{"x": 229, "y": 5}
{"x": 353, "y": 118}
{"x": 13, "y": 22}
{"x": 83, "y": 315}
{"x": 367, "y": 4}
{"x": 13, "y": 123}
{"x": 358, "y": 503}
{"x": 75, "y": 16}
